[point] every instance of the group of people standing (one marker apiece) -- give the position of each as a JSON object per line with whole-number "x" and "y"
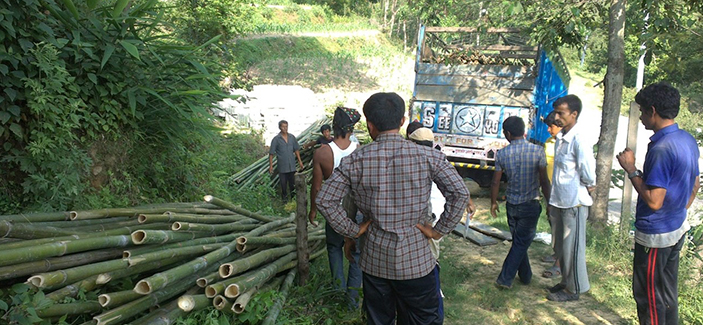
{"x": 382, "y": 191}
{"x": 566, "y": 192}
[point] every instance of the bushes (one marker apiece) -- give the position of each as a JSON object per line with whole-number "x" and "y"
{"x": 90, "y": 75}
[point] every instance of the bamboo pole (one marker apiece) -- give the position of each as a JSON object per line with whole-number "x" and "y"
{"x": 106, "y": 226}
{"x": 106, "y": 277}
{"x": 193, "y": 302}
{"x": 36, "y": 217}
{"x": 241, "y": 302}
{"x": 131, "y": 309}
{"x": 56, "y": 310}
{"x": 276, "y": 309}
{"x": 160, "y": 280}
{"x": 78, "y": 223}
{"x": 141, "y": 237}
{"x": 212, "y": 228}
{"x": 269, "y": 226}
{"x": 256, "y": 277}
{"x": 207, "y": 279}
{"x": 52, "y": 279}
{"x": 165, "y": 315}
{"x": 113, "y": 299}
{"x": 130, "y": 212}
{"x": 173, "y": 217}
{"x": 173, "y": 252}
{"x": 57, "y": 263}
{"x": 134, "y": 251}
{"x": 236, "y": 209}
{"x": 72, "y": 290}
{"x": 27, "y": 231}
{"x": 221, "y": 303}
{"x": 29, "y": 254}
{"x": 115, "y": 232}
{"x": 227, "y": 270}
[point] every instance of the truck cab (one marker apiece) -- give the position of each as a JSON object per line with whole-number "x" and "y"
{"x": 468, "y": 81}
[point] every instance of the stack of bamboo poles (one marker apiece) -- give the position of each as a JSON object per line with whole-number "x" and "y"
{"x": 258, "y": 172}
{"x": 182, "y": 257}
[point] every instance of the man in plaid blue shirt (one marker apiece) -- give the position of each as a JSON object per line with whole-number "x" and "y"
{"x": 390, "y": 181}
{"x": 525, "y": 166}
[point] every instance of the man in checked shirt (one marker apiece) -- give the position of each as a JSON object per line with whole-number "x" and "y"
{"x": 390, "y": 181}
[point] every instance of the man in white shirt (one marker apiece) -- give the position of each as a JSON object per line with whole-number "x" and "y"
{"x": 573, "y": 179}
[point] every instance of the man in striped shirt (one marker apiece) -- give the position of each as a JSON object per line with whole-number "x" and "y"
{"x": 390, "y": 181}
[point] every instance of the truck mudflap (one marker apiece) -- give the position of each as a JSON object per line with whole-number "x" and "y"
{"x": 472, "y": 166}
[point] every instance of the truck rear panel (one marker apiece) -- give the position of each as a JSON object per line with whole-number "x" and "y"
{"x": 467, "y": 83}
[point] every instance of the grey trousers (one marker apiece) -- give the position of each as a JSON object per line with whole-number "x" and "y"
{"x": 570, "y": 246}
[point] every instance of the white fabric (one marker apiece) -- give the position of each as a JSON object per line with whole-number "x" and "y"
{"x": 436, "y": 207}
{"x": 338, "y": 153}
{"x": 574, "y": 170}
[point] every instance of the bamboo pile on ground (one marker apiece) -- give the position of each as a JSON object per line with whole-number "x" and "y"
{"x": 173, "y": 252}
{"x": 258, "y": 172}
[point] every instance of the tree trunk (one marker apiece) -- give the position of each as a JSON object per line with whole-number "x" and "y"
{"x": 301, "y": 231}
{"x": 611, "y": 111}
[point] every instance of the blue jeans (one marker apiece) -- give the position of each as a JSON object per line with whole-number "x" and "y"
{"x": 522, "y": 220}
{"x": 335, "y": 254}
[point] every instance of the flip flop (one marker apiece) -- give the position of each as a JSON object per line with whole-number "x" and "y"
{"x": 563, "y": 296}
{"x": 552, "y": 272}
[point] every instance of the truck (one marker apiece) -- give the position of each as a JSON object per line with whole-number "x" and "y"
{"x": 469, "y": 80}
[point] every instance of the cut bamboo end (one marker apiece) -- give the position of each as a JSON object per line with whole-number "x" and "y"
{"x": 186, "y": 303}
{"x": 225, "y": 270}
{"x": 238, "y": 308}
{"x": 201, "y": 282}
{"x": 210, "y": 291}
{"x": 37, "y": 281}
{"x": 241, "y": 248}
{"x": 232, "y": 291}
{"x": 138, "y": 237}
{"x": 103, "y": 300}
{"x": 126, "y": 254}
{"x": 176, "y": 226}
{"x": 73, "y": 215}
{"x": 241, "y": 240}
{"x": 220, "y": 302}
{"x": 143, "y": 287}
{"x": 103, "y": 278}
{"x": 208, "y": 198}
{"x": 141, "y": 218}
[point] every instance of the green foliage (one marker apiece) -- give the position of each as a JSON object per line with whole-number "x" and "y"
{"x": 319, "y": 302}
{"x": 52, "y": 161}
{"x": 21, "y": 305}
{"x": 200, "y": 21}
{"x": 81, "y": 76}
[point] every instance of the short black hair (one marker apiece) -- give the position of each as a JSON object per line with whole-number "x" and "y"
{"x": 281, "y": 122}
{"x": 515, "y": 125}
{"x": 573, "y": 102}
{"x": 662, "y": 96}
{"x": 325, "y": 127}
{"x": 551, "y": 119}
{"x": 384, "y": 110}
{"x": 412, "y": 126}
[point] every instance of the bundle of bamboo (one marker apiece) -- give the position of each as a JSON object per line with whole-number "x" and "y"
{"x": 207, "y": 253}
{"x": 257, "y": 173}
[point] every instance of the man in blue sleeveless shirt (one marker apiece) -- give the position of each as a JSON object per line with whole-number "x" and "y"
{"x": 667, "y": 185}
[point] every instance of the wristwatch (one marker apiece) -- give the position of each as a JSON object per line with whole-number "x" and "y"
{"x": 636, "y": 173}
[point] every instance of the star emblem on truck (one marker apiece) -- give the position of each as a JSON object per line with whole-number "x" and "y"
{"x": 468, "y": 119}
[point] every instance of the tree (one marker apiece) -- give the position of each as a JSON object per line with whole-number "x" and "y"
{"x": 611, "y": 111}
